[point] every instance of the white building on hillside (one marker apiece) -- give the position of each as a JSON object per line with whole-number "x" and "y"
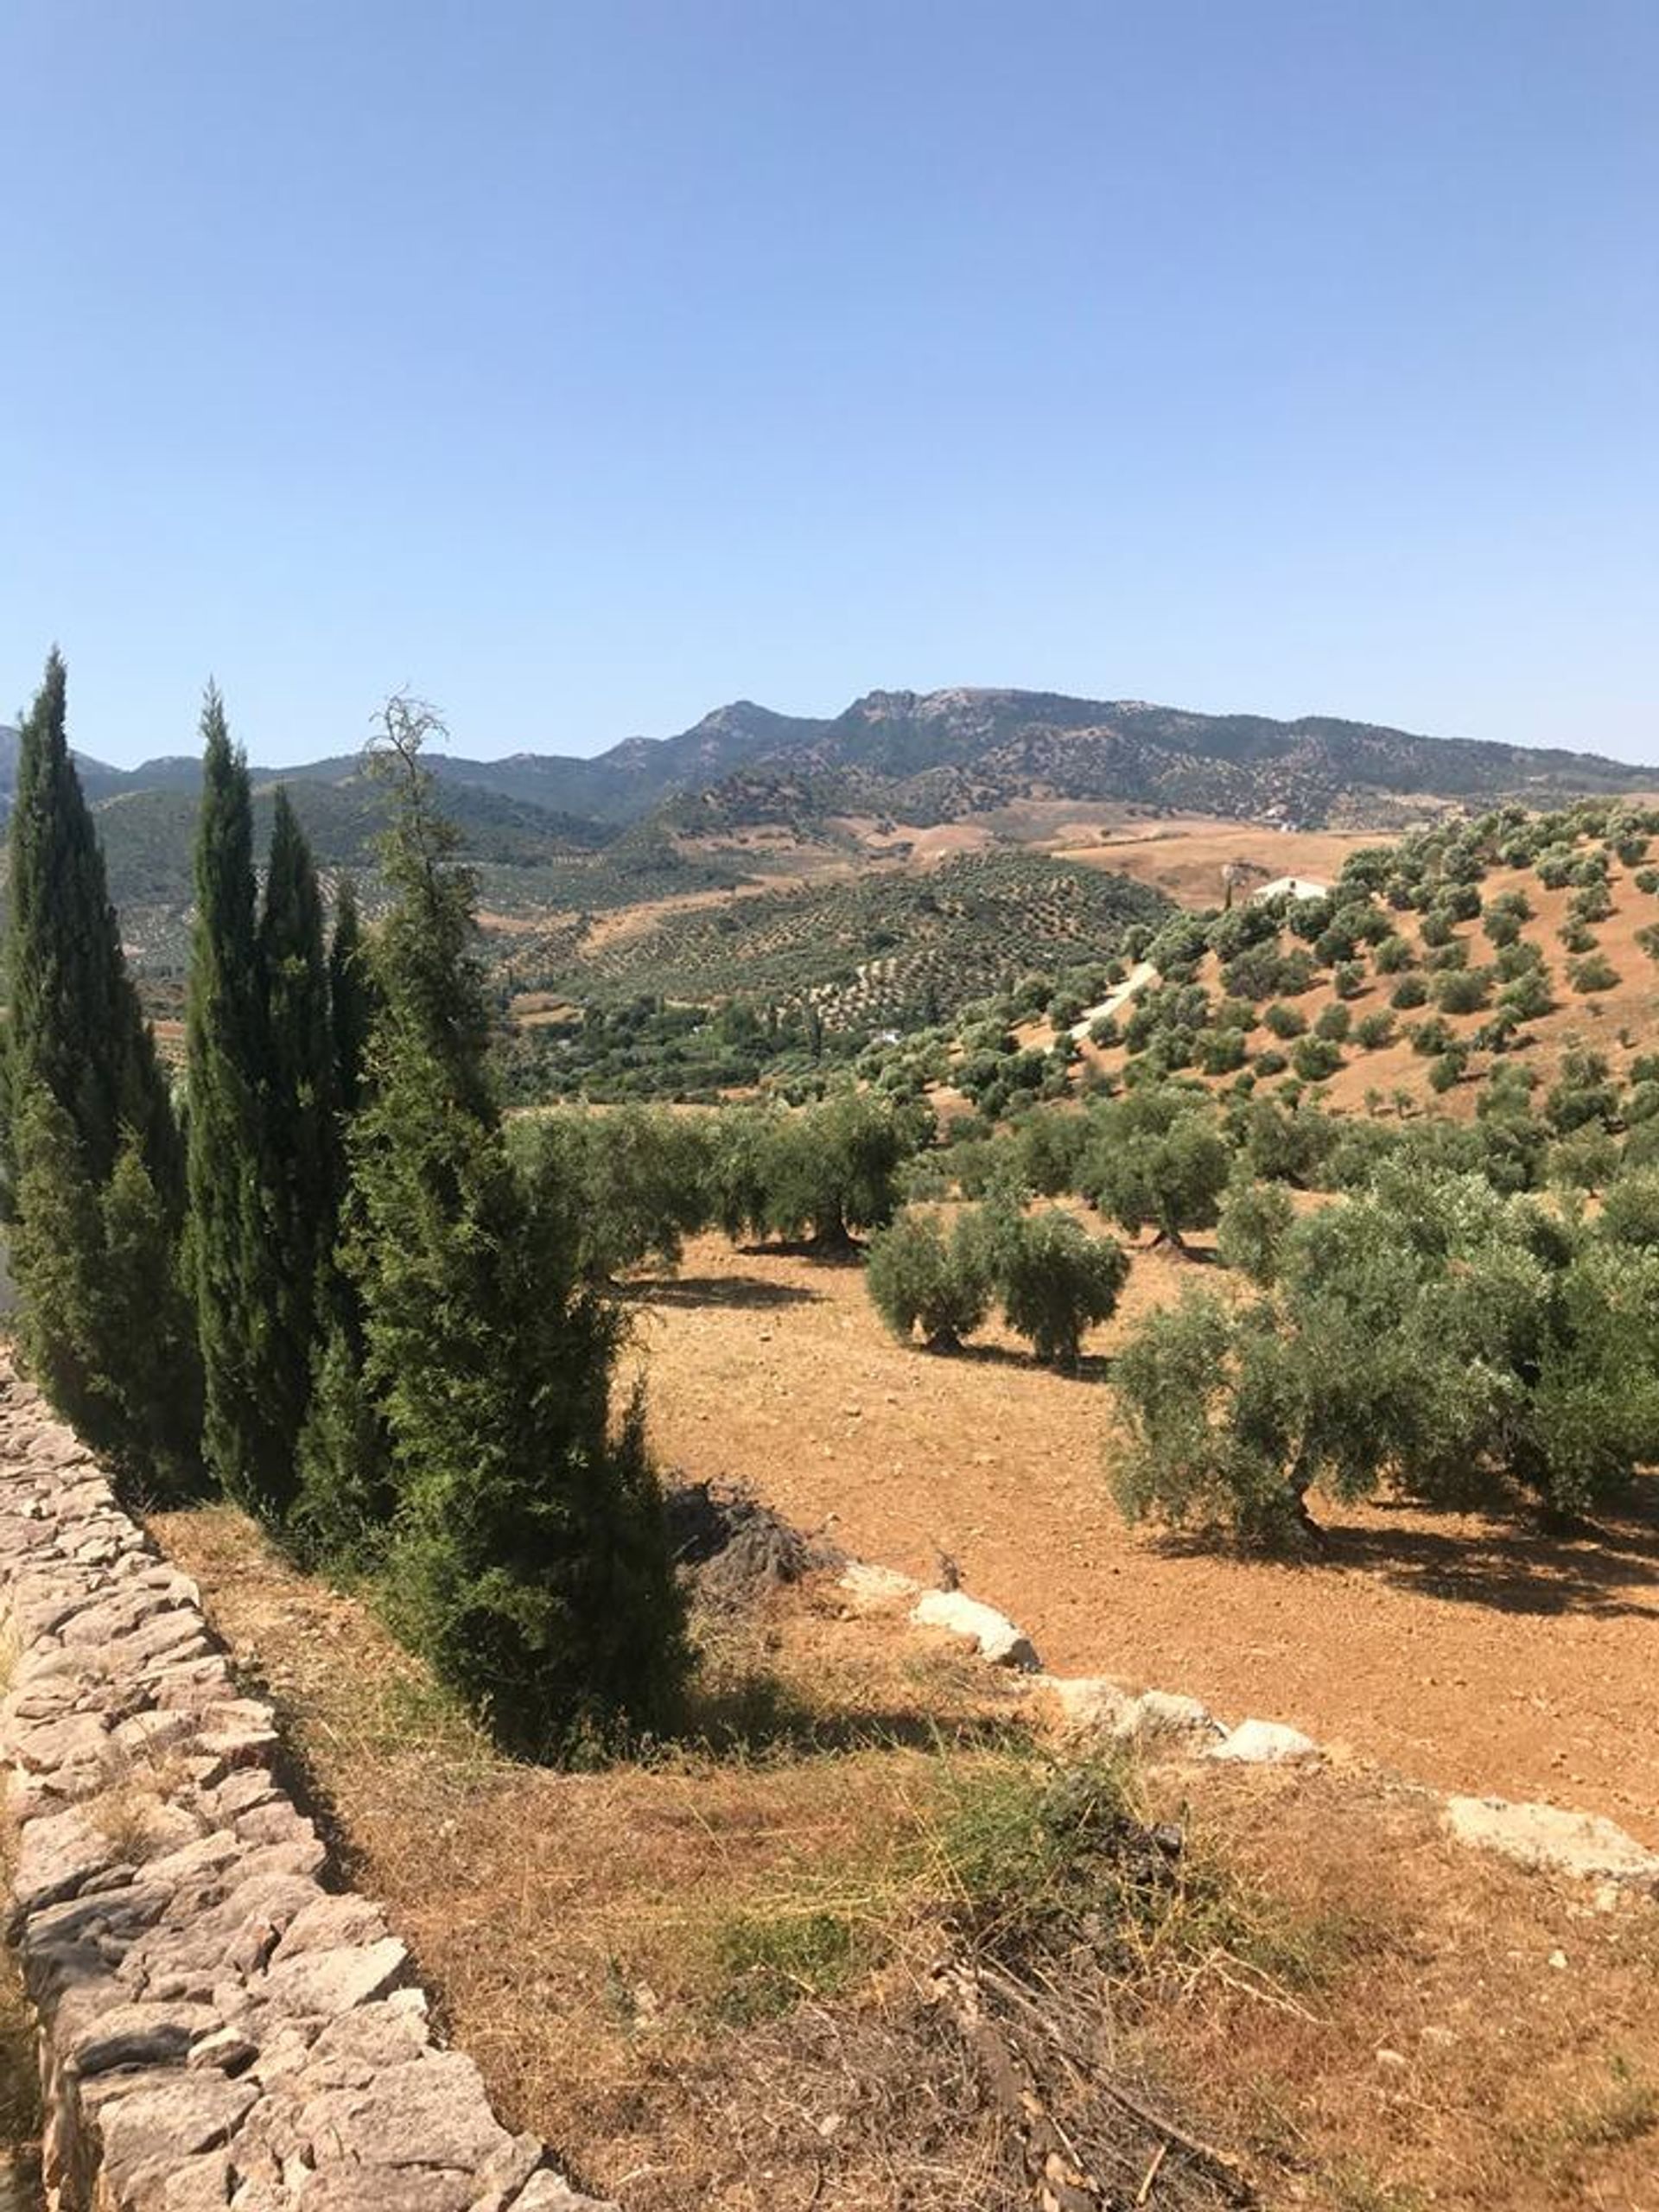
{"x": 1292, "y": 886}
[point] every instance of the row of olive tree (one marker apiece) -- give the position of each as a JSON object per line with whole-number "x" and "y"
{"x": 1430, "y": 1335}
{"x": 1052, "y": 1280}
{"x": 650, "y": 1177}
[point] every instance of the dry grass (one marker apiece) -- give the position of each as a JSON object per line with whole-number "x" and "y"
{"x": 19, "y": 2084}
{"x": 709, "y": 1978}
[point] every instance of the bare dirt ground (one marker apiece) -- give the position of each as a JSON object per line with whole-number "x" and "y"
{"x": 1465, "y": 1651}
{"x": 1368, "y": 2018}
{"x": 1185, "y": 855}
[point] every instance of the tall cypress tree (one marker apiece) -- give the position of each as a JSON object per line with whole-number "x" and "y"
{"x": 351, "y": 995}
{"x": 528, "y": 1560}
{"x": 75, "y": 1021}
{"x": 245, "y": 1436}
{"x": 341, "y": 1516}
{"x": 300, "y": 1115}
{"x": 93, "y": 1157}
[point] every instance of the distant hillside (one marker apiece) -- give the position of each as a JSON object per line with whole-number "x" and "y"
{"x": 955, "y": 751}
{"x": 942, "y": 755}
{"x": 898, "y": 947}
{"x": 743, "y": 794}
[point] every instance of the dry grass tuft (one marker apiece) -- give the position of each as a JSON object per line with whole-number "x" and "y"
{"x": 712, "y": 1977}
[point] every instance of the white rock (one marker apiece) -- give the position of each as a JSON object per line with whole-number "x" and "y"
{"x": 1549, "y": 1837}
{"x": 1166, "y": 1713}
{"x": 994, "y": 1637}
{"x": 1089, "y": 1704}
{"x": 1263, "y": 1743}
{"x": 877, "y": 1589}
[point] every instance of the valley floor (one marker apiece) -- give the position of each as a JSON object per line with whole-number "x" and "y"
{"x": 1458, "y": 1650}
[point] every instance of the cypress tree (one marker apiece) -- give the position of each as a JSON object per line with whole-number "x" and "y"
{"x": 245, "y": 1440}
{"x": 342, "y": 1516}
{"x": 351, "y": 995}
{"x": 528, "y": 1559}
{"x": 92, "y": 1156}
{"x": 301, "y": 1137}
{"x": 74, "y": 1019}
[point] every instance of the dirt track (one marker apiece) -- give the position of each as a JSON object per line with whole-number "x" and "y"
{"x": 1458, "y": 1650}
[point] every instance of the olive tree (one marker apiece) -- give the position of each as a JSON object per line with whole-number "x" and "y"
{"x": 917, "y": 1273}
{"x": 1430, "y": 1336}
{"x": 1055, "y": 1281}
{"x": 1157, "y": 1161}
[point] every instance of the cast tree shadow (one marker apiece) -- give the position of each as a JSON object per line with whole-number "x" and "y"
{"x": 1520, "y": 1571}
{"x": 1091, "y": 1367}
{"x": 1600, "y": 1569}
{"x": 741, "y": 1293}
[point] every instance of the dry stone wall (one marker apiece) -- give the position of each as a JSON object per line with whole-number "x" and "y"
{"x": 219, "y": 2027}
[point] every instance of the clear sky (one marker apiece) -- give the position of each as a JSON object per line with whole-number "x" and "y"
{"x": 584, "y": 364}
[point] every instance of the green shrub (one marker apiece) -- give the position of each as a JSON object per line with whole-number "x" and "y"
{"x": 1593, "y": 973}
{"x": 1055, "y": 1281}
{"x": 1528, "y": 998}
{"x": 1462, "y": 990}
{"x": 1375, "y": 1030}
{"x": 1256, "y": 1219}
{"x": 917, "y": 1275}
{"x": 1219, "y": 1052}
{"x": 1630, "y": 1211}
{"x": 1315, "y": 1058}
{"x": 1584, "y": 1093}
{"x": 1411, "y": 990}
{"x": 1284, "y": 1021}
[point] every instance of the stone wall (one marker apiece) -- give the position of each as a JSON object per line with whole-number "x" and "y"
{"x": 219, "y": 2027}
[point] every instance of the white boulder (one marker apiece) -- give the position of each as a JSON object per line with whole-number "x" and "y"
{"x": 1166, "y": 1713}
{"x": 994, "y": 1636}
{"x": 1263, "y": 1743}
{"x": 1089, "y": 1704}
{"x": 876, "y": 1589}
{"x": 1549, "y": 1837}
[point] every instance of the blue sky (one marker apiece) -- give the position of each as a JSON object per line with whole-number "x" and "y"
{"x": 586, "y": 364}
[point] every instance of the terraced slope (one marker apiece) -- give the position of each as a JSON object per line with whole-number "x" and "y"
{"x": 898, "y": 947}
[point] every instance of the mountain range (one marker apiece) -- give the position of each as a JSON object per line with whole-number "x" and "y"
{"x": 651, "y": 815}
{"x": 970, "y": 740}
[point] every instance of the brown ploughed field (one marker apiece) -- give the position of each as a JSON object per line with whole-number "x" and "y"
{"x": 1470, "y": 1652}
